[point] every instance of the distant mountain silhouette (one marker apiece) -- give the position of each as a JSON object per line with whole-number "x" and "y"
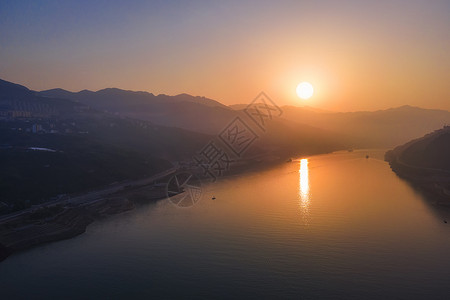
{"x": 184, "y": 111}
{"x": 9, "y": 89}
{"x": 305, "y": 108}
{"x": 93, "y": 148}
{"x": 382, "y": 128}
{"x": 188, "y": 113}
{"x": 98, "y": 123}
{"x": 15, "y": 98}
{"x": 113, "y": 96}
{"x": 206, "y": 116}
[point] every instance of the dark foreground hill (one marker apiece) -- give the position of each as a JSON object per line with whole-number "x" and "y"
{"x": 425, "y": 162}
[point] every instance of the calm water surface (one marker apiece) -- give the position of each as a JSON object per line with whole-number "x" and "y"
{"x": 330, "y": 226}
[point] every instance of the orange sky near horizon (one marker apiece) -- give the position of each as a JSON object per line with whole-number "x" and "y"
{"x": 358, "y": 55}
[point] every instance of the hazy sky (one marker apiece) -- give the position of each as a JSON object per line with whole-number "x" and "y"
{"x": 359, "y": 55}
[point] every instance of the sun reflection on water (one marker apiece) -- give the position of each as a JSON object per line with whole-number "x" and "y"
{"x": 303, "y": 192}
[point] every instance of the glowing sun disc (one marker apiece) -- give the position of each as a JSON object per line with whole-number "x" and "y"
{"x": 305, "y": 90}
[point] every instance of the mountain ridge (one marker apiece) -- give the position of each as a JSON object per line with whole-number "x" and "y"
{"x": 115, "y": 92}
{"x": 425, "y": 162}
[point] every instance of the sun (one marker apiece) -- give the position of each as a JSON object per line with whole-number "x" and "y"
{"x": 305, "y": 90}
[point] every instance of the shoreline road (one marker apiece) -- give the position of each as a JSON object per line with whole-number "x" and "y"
{"x": 92, "y": 195}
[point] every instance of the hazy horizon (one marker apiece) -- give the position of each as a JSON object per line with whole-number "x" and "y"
{"x": 358, "y": 55}
{"x": 298, "y": 104}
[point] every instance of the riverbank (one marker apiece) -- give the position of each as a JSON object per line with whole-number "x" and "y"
{"x": 67, "y": 218}
{"x": 434, "y": 182}
{"x": 280, "y": 229}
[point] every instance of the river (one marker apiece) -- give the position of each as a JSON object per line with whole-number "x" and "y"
{"x": 335, "y": 226}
